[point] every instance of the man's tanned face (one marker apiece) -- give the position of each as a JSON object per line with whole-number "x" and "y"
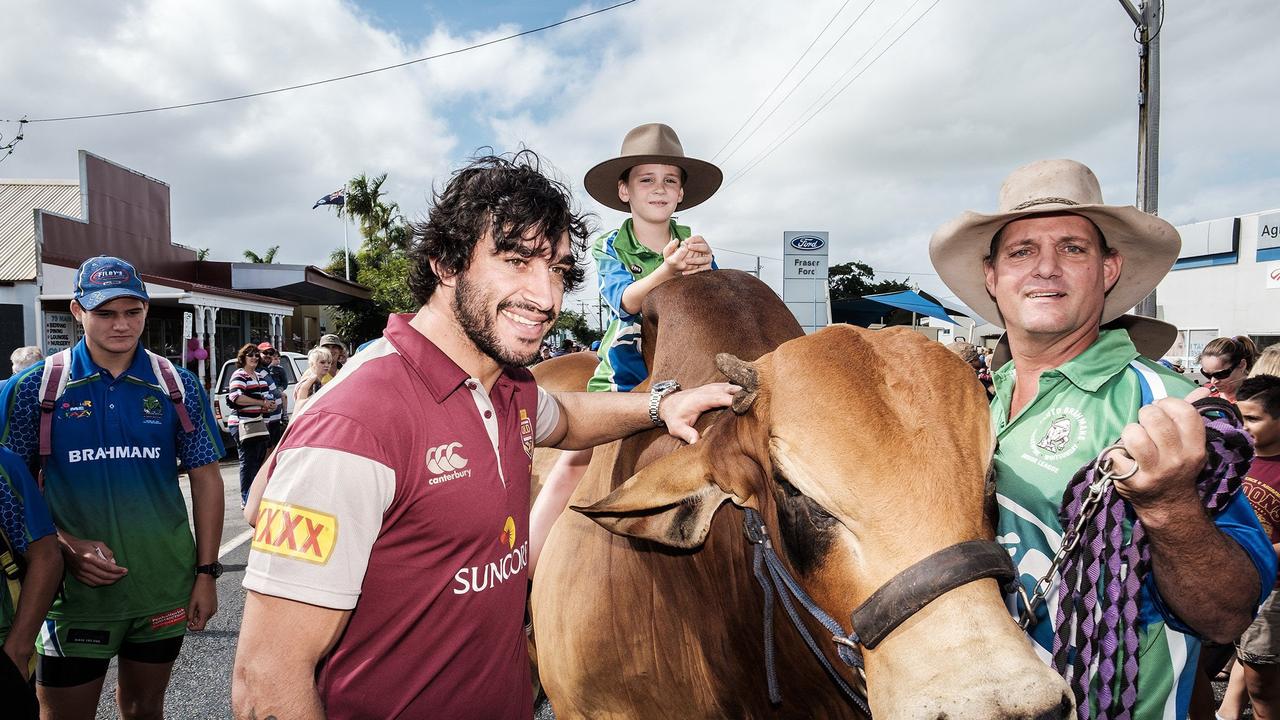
{"x": 1050, "y": 274}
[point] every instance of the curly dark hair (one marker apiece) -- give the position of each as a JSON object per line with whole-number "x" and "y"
{"x": 509, "y": 195}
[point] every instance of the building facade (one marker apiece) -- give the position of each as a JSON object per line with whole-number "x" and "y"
{"x": 201, "y": 311}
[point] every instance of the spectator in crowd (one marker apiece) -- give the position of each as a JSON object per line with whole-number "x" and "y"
{"x": 1268, "y": 362}
{"x": 26, "y": 533}
{"x": 279, "y": 417}
{"x": 1225, "y": 362}
{"x": 337, "y": 350}
{"x": 252, "y": 399}
{"x": 25, "y": 357}
{"x": 1256, "y": 676}
{"x": 122, "y": 423}
{"x": 970, "y": 353}
{"x": 319, "y": 363}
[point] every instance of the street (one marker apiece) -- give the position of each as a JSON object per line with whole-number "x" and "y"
{"x": 201, "y": 685}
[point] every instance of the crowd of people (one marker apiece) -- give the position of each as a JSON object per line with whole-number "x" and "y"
{"x": 398, "y": 616}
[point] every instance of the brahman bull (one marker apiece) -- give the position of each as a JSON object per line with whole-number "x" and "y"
{"x": 864, "y": 452}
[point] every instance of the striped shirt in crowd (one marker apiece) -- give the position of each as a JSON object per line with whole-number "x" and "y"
{"x": 257, "y": 385}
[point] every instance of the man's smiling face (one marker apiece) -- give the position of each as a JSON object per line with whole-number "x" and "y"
{"x": 1050, "y": 274}
{"x": 506, "y": 302}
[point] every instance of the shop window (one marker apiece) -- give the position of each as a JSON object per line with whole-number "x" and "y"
{"x": 229, "y": 335}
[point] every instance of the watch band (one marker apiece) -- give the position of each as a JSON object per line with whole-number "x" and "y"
{"x": 658, "y": 391}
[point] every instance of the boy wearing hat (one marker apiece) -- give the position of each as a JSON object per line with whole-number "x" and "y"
{"x": 1052, "y": 266}
{"x": 109, "y": 423}
{"x": 651, "y": 179}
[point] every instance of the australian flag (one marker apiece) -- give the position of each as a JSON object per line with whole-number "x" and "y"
{"x": 337, "y": 197}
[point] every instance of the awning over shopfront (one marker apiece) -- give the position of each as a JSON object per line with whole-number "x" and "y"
{"x": 913, "y": 302}
{"x": 301, "y": 284}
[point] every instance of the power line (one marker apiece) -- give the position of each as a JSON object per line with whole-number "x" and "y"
{"x": 787, "y": 135}
{"x": 790, "y": 70}
{"x": 334, "y": 79}
{"x": 800, "y": 82}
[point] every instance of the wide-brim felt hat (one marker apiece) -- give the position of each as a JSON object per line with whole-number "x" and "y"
{"x": 652, "y": 143}
{"x": 1148, "y": 244}
{"x": 1151, "y": 337}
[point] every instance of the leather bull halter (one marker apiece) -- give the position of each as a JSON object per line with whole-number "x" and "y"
{"x": 895, "y": 601}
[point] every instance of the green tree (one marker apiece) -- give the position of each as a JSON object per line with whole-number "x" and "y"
{"x": 202, "y": 253}
{"x": 266, "y": 258}
{"x": 577, "y": 325}
{"x": 381, "y": 263}
{"x": 855, "y": 279}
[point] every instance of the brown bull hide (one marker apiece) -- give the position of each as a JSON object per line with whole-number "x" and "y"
{"x": 863, "y": 452}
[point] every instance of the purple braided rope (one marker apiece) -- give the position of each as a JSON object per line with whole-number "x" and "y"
{"x": 1078, "y": 636}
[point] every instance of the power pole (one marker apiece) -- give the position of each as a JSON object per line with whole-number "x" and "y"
{"x": 1147, "y": 18}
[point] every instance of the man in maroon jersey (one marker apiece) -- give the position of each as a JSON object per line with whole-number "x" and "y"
{"x": 392, "y": 539}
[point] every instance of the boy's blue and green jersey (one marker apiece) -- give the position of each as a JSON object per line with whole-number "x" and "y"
{"x": 621, "y": 259}
{"x": 24, "y": 518}
{"x": 113, "y": 477}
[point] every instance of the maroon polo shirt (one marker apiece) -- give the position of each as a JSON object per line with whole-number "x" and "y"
{"x": 402, "y": 494}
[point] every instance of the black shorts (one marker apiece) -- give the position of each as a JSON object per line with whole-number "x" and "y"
{"x": 60, "y": 672}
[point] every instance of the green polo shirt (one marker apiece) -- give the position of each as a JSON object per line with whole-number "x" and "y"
{"x": 1080, "y": 408}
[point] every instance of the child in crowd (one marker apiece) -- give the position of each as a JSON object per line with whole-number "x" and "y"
{"x": 1256, "y": 677}
{"x": 651, "y": 179}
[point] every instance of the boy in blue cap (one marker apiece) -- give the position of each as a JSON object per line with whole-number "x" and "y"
{"x": 106, "y": 423}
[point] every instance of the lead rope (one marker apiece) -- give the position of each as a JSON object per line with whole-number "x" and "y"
{"x": 1078, "y": 640}
{"x": 773, "y": 577}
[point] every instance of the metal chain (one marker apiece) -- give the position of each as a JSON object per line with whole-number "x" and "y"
{"x": 1104, "y": 467}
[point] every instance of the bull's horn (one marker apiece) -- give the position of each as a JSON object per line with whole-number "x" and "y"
{"x": 742, "y": 374}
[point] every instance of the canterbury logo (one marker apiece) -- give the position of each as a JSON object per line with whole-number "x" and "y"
{"x": 443, "y": 459}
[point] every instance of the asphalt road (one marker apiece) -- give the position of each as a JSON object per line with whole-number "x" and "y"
{"x": 201, "y": 684}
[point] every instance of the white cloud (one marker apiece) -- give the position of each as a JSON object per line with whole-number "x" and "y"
{"x": 972, "y": 91}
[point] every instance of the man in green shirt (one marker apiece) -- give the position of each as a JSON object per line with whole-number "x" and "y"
{"x": 1053, "y": 266}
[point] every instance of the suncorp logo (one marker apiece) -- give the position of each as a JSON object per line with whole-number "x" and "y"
{"x": 512, "y": 563}
{"x": 446, "y": 464}
{"x": 808, "y": 242}
{"x": 109, "y": 276}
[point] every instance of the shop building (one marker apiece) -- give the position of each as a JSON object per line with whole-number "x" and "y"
{"x": 1226, "y": 282}
{"x": 201, "y": 311}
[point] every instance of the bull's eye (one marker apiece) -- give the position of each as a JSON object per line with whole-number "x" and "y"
{"x": 806, "y": 527}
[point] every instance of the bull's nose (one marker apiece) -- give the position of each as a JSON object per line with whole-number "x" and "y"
{"x": 1065, "y": 710}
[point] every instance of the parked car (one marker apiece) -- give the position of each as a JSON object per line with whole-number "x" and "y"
{"x": 294, "y": 364}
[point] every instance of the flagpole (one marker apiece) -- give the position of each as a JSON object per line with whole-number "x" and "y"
{"x": 346, "y": 252}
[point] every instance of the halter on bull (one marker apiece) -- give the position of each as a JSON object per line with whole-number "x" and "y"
{"x": 863, "y": 454}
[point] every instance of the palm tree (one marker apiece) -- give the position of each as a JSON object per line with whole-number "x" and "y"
{"x": 266, "y": 258}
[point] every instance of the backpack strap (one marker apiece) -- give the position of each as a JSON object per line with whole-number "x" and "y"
{"x": 169, "y": 379}
{"x": 53, "y": 382}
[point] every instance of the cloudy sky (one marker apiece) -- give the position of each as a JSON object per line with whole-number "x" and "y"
{"x": 920, "y": 131}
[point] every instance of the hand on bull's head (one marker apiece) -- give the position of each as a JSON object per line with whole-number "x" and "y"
{"x": 673, "y": 500}
{"x": 681, "y": 410}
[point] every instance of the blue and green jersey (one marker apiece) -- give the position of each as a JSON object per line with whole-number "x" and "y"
{"x": 113, "y": 476}
{"x": 1080, "y": 408}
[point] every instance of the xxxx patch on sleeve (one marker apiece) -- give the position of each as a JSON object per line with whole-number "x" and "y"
{"x": 295, "y": 532}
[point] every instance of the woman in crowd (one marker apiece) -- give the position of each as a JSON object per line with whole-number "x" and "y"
{"x": 252, "y": 397}
{"x": 319, "y": 364}
{"x": 1268, "y": 362}
{"x": 1225, "y": 362}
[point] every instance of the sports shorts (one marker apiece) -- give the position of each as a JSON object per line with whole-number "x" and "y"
{"x": 1260, "y": 643}
{"x": 104, "y": 638}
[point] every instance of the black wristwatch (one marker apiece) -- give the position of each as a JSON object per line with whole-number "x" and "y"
{"x": 213, "y": 568}
{"x": 657, "y": 391}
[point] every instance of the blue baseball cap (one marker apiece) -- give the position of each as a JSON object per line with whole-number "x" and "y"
{"x": 106, "y": 278}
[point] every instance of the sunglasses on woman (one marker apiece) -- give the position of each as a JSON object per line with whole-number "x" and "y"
{"x": 1221, "y": 374}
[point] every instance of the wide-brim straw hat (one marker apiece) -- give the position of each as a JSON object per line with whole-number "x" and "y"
{"x": 1148, "y": 244}
{"x": 653, "y": 143}
{"x": 1151, "y": 337}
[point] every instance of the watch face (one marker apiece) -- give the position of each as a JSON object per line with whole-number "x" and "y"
{"x": 665, "y": 386}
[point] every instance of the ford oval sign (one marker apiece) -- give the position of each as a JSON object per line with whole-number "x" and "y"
{"x": 808, "y": 242}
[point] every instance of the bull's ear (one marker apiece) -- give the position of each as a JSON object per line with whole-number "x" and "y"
{"x": 671, "y": 501}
